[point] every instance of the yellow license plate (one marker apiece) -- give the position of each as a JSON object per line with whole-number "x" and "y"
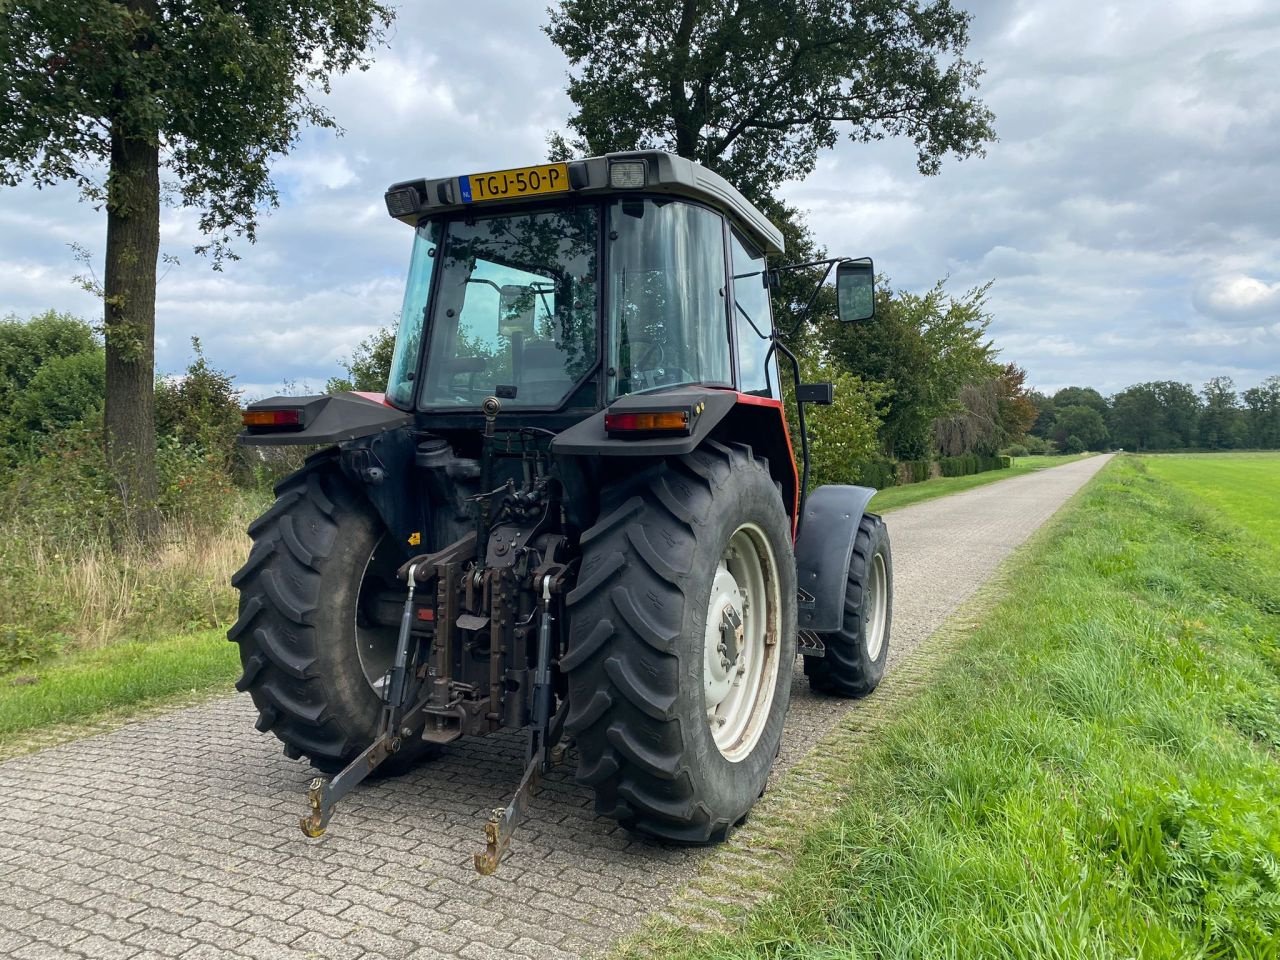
{"x": 512, "y": 184}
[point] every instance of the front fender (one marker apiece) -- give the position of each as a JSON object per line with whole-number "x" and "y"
{"x": 824, "y": 549}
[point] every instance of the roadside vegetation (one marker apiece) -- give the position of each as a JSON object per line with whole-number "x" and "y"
{"x": 1096, "y": 772}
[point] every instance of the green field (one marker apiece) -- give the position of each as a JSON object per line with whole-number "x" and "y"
{"x": 1096, "y": 770}
{"x": 1245, "y": 486}
{"x": 907, "y": 494}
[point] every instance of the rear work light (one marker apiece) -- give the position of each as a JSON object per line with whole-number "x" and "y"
{"x": 626, "y": 174}
{"x": 268, "y": 419}
{"x": 665, "y": 421}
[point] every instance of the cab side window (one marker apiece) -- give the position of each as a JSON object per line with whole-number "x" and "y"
{"x": 752, "y": 319}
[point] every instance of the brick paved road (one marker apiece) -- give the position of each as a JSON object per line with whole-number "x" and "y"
{"x": 177, "y": 836}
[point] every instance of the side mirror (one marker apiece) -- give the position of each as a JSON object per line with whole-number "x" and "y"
{"x": 516, "y": 309}
{"x": 856, "y": 290}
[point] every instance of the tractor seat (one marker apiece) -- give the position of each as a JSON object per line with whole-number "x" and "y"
{"x": 543, "y": 378}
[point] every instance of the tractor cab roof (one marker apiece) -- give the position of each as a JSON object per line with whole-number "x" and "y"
{"x": 613, "y": 175}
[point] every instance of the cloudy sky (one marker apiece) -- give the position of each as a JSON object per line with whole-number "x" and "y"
{"x": 1129, "y": 214}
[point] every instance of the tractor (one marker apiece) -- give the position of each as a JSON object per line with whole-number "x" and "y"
{"x": 575, "y": 511}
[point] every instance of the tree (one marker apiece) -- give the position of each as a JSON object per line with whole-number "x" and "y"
{"x": 1082, "y": 423}
{"x": 370, "y": 365}
{"x": 1042, "y": 426}
{"x": 207, "y": 90}
{"x": 1136, "y": 418}
{"x": 1262, "y": 414}
{"x": 1180, "y": 409}
{"x": 923, "y": 349}
{"x": 1017, "y": 409}
{"x": 754, "y": 89}
{"x": 1081, "y": 396}
{"x": 1221, "y": 424}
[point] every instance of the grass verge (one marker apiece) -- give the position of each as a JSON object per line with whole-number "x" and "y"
{"x": 1094, "y": 774}
{"x": 907, "y": 494}
{"x": 105, "y": 685}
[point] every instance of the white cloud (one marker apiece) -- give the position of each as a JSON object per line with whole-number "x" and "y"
{"x": 1238, "y": 296}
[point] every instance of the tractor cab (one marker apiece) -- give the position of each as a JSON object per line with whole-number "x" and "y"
{"x": 565, "y": 286}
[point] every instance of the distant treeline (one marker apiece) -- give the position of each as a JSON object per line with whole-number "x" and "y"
{"x": 1162, "y": 415}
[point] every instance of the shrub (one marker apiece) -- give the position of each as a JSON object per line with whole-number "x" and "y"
{"x": 1073, "y": 444}
{"x": 913, "y": 471}
{"x": 1016, "y": 450}
{"x": 22, "y": 646}
{"x": 1039, "y": 446}
{"x": 880, "y": 474}
{"x": 201, "y": 410}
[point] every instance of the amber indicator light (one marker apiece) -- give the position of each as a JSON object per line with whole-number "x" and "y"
{"x": 646, "y": 422}
{"x": 272, "y": 418}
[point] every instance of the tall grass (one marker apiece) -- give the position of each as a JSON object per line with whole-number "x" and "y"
{"x": 60, "y": 594}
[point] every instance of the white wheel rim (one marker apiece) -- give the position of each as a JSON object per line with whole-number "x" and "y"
{"x": 740, "y": 662}
{"x": 877, "y": 600}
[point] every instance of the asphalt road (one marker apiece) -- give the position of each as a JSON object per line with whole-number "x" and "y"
{"x": 177, "y": 836}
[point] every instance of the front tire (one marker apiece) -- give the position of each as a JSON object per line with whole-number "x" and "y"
{"x": 857, "y": 652}
{"x": 682, "y": 644}
{"x": 314, "y": 623}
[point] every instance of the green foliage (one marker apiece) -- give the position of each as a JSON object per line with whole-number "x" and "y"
{"x": 876, "y": 473}
{"x": 200, "y": 411}
{"x": 74, "y": 352}
{"x": 22, "y": 647}
{"x": 1079, "y": 426}
{"x": 1262, "y": 414}
{"x": 226, "y": 85}
{"x": 914, "y": 471}
{"x": 971, "y": 463}
{"x": 63, "y": 391}
{"x": 757, "y": 89}
{"x": 369, "y": 366}
{"x": 1016, "y": 450}
{"x": 1162, "y": 415}
{"x": 842, "y": 434}
{"x": 1080, "y": 397}
{"x": 1039, "y": 446}
{"x": 924, "y": 349}
{"x": 1222, "y": 424}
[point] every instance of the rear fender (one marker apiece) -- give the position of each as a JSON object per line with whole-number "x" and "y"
{"x": 824, "y": 550}
{"x": 725, "y": 415}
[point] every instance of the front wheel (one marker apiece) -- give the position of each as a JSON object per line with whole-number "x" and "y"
{"x": 857, "y": 653}
{"x": 682, "y": 644}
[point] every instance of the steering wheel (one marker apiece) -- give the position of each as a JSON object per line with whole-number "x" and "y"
{"x": 646, "y": 354}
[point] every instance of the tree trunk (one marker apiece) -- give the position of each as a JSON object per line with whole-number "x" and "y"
{"x": 133, "y": 246}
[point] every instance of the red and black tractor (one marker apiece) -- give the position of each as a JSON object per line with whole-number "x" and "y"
{"x": 576, "y": 510}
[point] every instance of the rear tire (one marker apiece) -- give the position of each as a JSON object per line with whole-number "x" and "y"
{"x": 674, "y": 746}
{"x": 857, "y": 652}
{"x": 299, "y": 596}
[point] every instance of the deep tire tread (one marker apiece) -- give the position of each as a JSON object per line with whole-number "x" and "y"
{"x": 279, "y": 588}
{"x": 624, "y": 673}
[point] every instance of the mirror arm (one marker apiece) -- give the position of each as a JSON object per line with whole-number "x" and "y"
{"x": 782, "y": 348}
{"x": 808, "y": 308}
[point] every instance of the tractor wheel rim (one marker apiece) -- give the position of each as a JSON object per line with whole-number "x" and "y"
{"x": 877, "y": 607}
{"x": 740, "y": 663}
{"x": 375, "y": 633}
